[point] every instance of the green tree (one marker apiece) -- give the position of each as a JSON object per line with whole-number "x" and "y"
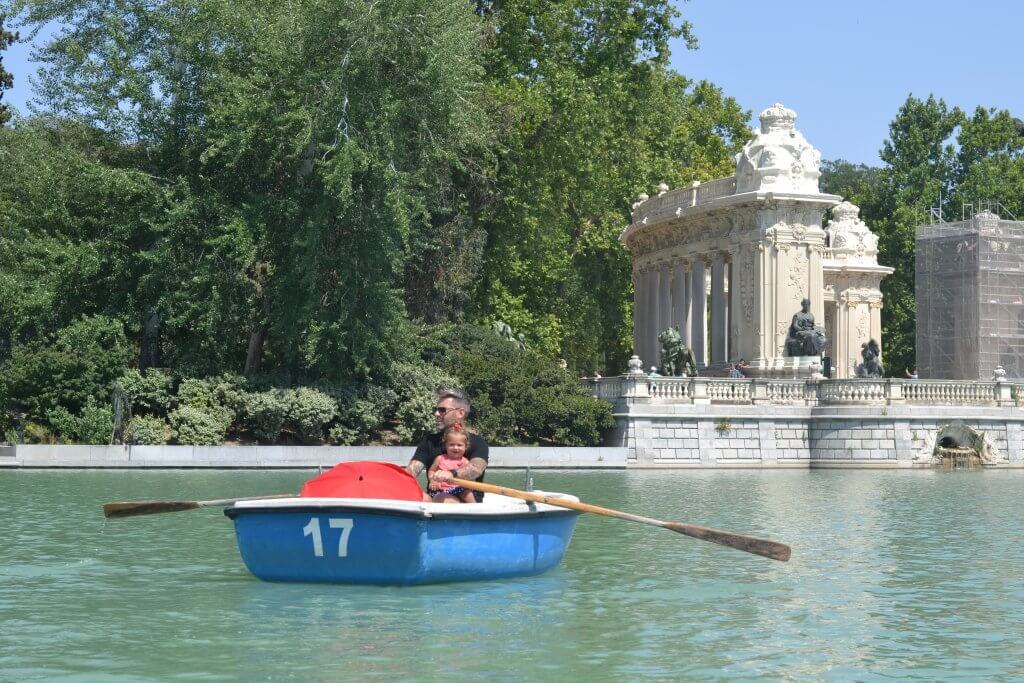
{"x": 589, "y": 116}
{"x": 7, "y": 38}
{"x": 309, "y": 149}
{"x": 989, "y": 164}
{"x": 856, "y": 183}
{"x": 920, "y": 161}
{"x": 68, "y": 369}
{"x": 71, "y": 226}
{"x": 936, "y": 156}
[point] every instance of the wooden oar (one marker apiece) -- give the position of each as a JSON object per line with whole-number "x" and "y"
{"x": 155, "y": 507}
{"x": 750, "y": 544}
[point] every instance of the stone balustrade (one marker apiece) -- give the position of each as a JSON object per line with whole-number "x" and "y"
{"x": 948, "y": 392}
{"x": 806, "y": 392}
{"x": 671, "y": 203}
{"x": 671, "y": 388}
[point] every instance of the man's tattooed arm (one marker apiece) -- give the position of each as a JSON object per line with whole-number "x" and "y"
{"x": 474, "y": 469}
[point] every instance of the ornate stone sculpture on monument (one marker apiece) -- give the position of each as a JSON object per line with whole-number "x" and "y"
{"x": 676, "y": 358}
{"x": 781, "y": 160}
{"x": 871, "y": 366}
{"x": 805, "y": 338}
{"x": 725, "y": 259}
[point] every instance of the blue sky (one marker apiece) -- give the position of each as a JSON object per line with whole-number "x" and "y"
{"x": 844, "y": 66}
{"x": 847, "y": 66}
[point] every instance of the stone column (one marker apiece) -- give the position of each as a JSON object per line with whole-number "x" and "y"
{"x": 650, "y": 355}
{"x": 718, "y": 314}
{"x": 643, "y": 298}
{"x": 735, "y": 314}
{"x": 680, "y": 304}
{"x": 850, "y": 329}
{"x": 637, "y": 322}
{"x": 816, "y": 283}
{"x": 839, "y": 343}
{"x": 765, "y": 315}
{"x": 698, "y": 309}
{"x": 664, "y": 298}
{"x": 875, "y": 323}
{"x": 687, "y": 320}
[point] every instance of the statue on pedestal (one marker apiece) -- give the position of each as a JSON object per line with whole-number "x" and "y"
{"x": 805, "y": 338}
{"x": 870, "y": 366}
{"x": 676, "y": 358}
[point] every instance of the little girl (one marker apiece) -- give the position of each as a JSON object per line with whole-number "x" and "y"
{"x": 456, "y": 442}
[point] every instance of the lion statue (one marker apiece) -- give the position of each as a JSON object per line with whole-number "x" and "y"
{"x": 676, "y": 358}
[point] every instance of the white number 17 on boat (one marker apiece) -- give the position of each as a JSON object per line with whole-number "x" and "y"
{"x": 313, "y": 529}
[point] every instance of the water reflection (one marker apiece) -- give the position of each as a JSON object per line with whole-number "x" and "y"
{"x": 895, "y": 575}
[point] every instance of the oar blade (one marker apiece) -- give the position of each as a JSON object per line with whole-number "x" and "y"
{"x": 147, "y": 507}
{"x": 758, "y": 546}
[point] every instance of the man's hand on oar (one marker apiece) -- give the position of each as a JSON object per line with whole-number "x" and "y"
{"x": 155, "y": 507}
{"x": 758, "y": 546}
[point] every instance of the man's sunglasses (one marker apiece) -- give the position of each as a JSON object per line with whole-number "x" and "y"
{"x": 440, "y": 410}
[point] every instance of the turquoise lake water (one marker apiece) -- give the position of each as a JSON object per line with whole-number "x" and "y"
{"x": 895, "y": 576}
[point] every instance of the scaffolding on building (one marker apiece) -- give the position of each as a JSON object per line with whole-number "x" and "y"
{"x": 969, "y": 287}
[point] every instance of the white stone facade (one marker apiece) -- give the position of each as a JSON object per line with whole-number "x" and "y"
{"x": 887, "y": 423}
{"x": 728, "y": 261}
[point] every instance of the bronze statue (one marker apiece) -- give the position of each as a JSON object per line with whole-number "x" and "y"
{"x": 676, "y": 358}
{"x": 503, "y": 330}
{"x": 805, "y": 338}
{"x": 871, "y": 365}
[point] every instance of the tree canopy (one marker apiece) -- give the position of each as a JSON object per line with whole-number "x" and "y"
{"x": 301, "y": 191}
{"x": 935, "y": 156}
{"x": 7, "y": 38}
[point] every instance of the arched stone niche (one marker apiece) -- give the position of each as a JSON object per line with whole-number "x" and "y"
{"x": 958, "y": 435}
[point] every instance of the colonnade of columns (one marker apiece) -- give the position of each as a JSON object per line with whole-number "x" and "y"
{"x": 675, "y": 294}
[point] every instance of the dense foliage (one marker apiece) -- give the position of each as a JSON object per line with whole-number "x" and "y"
{"x": 7, "y": 38}
{"x": 935, "y": 156}
{"x": 591, "y": 116}
{"x": 269, "y": 209}
{"x": 293, "y": 221}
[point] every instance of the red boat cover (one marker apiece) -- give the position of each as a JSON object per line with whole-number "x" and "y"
{"x": 364, "y": 479}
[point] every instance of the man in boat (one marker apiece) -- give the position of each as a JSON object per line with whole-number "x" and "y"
{"x": 452, "y": 406}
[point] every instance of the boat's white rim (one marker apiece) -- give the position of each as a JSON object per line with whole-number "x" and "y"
{"x": 492, "y": 505}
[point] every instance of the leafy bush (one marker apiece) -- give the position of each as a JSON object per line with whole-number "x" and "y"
{"x": 148, "y": 392}
{"x": 361, "y": 413}
{"x": 265, "y": 413}
{"x": 38, "y": 433}
{"x": 416, "y": 389}
{"x": 147, "y": 430}
{"x": 93, "y": 425}
{"x": 223, "y": 391}
{"x": 198, "y": 426}
{"x": 79, "y": 362}
{"x": 309, "y": 411}
{"x": 519, "y": 396}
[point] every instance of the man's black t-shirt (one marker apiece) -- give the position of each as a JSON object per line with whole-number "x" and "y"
{"x": 432, "y": 446}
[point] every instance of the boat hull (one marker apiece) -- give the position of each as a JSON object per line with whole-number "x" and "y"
{"x": 361, "y": 542}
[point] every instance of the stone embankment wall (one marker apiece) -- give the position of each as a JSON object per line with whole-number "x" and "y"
{"x": 283, "y": 457}
{"x": 838, "y": 423}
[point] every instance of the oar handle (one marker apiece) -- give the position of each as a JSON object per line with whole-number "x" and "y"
{"x": 758, "y": 546}
{"x": 133, "y": 508}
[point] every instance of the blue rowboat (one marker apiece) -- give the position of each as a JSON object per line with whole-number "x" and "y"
{"x": 399, "y": 542}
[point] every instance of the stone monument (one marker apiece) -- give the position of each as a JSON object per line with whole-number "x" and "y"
{"x": 726, "y": 261}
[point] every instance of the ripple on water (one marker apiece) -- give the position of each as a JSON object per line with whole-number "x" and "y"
{"x": 895, "y": 576}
